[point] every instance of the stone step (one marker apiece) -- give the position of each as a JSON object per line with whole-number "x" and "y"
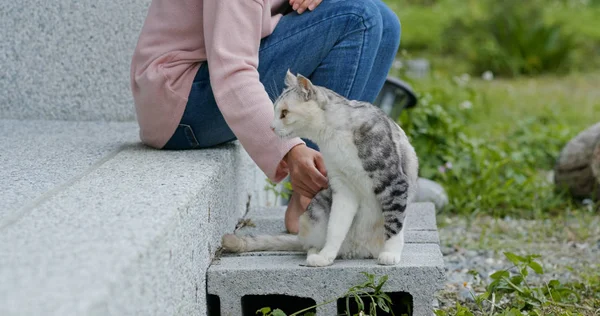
{"x": 234, "y": 279}
{"x": 93, "y": 223}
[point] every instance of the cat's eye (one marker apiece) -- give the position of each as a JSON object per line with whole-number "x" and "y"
{"x": 283, "y": 114}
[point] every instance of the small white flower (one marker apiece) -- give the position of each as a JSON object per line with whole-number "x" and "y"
{"x": 488, "y": 76}
{"x": 448, "y": 165}
{"x": 462, "y": 80}
{"x": 442, "y": 169}
{"x": 465, "y": 105}
{"x": 397, "y": 64}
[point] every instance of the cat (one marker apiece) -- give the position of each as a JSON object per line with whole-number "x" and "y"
{"x": 372, "y": 170}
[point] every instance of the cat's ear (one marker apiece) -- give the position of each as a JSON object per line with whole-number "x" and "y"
{"x": 290, "y": 79}
{"x": 307, "y": 88}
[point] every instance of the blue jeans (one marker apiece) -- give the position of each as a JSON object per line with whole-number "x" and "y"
{"x": 346, "y": 46}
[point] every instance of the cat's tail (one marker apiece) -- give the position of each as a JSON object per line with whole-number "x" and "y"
{"x": 284, "y": 242}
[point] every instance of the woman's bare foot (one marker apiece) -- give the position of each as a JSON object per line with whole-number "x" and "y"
{"x": 296, "y": 207}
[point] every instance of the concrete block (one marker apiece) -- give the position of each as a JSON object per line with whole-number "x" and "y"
{"x": 131, "y": 231}
{"x": 420, "y": 273}
{"x": 421, "y": 216}
{"x": 262, "y": 273}
{"x": 68, "y": 59}
{"x": 422, "y": 237}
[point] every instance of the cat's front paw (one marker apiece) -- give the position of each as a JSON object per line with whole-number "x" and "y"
{"x": 317, "y": 260}
{"x": 387, "y": 258}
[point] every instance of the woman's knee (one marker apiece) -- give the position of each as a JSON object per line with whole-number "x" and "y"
{"x": 392, "y": 28}
{"x": 366, "y": 12}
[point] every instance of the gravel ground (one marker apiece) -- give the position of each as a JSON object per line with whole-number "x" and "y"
{"x": 569, "y": 249}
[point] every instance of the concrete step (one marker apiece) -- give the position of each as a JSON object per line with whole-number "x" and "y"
{"x": 235, "y": 278}
{"x": 93, "y": 223}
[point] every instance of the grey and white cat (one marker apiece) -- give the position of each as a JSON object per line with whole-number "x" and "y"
{"x": 372, "y": 171}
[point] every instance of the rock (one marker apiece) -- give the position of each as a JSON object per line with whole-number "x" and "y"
{"x": 430, "y": 191}
{"x": 471, "y": 253}
{"x": 578, "y": 166}
{"x": 595, "y": 163}
{"x": 447, "y": 250}
{"x": 465, "y": 294}
{"x": 417, "y": 68}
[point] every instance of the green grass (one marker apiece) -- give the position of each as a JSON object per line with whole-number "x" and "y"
{"x": 424, "y": 25}
{"x": 431, "y": 30}
{"x": 573, "y": 99}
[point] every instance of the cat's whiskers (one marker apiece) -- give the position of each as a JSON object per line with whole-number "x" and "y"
{"x": 272, "y": 91}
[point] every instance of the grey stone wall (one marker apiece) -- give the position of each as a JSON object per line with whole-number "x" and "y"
{"x": 68, "y": 59}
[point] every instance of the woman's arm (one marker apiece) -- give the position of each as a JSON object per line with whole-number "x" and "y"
{"x": 232, "y": 33}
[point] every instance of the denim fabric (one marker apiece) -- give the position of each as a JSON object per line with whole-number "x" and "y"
{"x": 346, "y": 46}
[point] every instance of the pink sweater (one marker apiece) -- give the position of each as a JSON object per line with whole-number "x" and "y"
{"x": 179, "y": 35}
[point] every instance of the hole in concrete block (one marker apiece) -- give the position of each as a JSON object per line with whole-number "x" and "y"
{"x": 213, "y": 305}
{"x": 288, "y": 304}
{"x": 402, "y": 305}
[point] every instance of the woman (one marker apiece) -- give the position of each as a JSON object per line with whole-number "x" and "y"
{"x": 205, "y": 72}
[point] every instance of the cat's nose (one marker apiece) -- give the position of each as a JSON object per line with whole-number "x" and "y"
{"x": 272, "y": 128}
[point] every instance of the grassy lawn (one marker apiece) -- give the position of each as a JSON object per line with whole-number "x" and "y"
{"x": 575, "y": 99}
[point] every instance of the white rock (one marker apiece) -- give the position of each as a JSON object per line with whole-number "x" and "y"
{"x": 488, "y": 76}
{"x": 431, "y": 191}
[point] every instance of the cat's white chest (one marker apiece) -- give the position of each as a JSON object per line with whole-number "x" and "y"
{"x": 343, "y": 164}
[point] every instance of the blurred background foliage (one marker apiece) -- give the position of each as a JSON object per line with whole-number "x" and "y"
{"x": 509, "y": 83}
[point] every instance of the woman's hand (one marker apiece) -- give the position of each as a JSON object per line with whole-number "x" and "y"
{"x": 307, "y": 170}
{"x": 301, "y": 5}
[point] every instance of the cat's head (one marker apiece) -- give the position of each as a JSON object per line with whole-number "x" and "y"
{"x": 299, "y": 110}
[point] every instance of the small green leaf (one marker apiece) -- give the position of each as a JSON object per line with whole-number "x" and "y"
{"x": 483, "y": 296}
{"x": 382, "y": 281}
{"x": 439, "y": 312}
{"x": 264, "y": 311}
{"x": 514, "y": 312}
{"x": 554, "y": 284}
{"x": 359, "y": 302}
{"x": 524, "y": 272}
{"x": 499, "y": 274}
{"x": 373, "y": 309}
{"x": 383, "y": 305}
{"x": 462, "y": 310}
{"x": 536, "y": 267}
{"x": 386, "y": 297}
{"x": 278, "y": 312}
{"x": 514, "y": 258}
{"x": 516, "y": 280}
